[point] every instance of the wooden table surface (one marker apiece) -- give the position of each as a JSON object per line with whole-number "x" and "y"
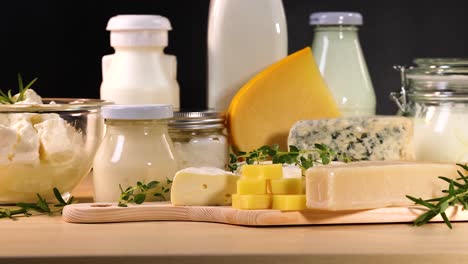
{"x": 44, "y": 239}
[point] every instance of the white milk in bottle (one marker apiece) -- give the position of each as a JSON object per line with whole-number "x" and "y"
{"x": 339, "y": 56}
{"x": 139, "y": 72}
{"x": 244, "y": 36}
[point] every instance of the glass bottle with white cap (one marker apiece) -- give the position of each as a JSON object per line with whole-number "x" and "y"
{"x": 136, "y": 147}
{"x": 337, "y": 51}
{"x": 139, "y": 72}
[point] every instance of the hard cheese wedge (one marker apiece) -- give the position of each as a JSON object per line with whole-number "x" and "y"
{"x": 374, "y": 184}
{"x": 203, "y": 186}
{"x": 265, "y": 108}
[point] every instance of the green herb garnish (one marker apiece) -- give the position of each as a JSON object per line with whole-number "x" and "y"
{"x": 137, "y": 194}
{"x": 457, "y": 193}
{"x": 41, "y": 206}
{"x": 302, "y": 158}
{"x": 8, "y": 98}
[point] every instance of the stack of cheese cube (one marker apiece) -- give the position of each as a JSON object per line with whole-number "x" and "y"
{"x": 262, "y": 186}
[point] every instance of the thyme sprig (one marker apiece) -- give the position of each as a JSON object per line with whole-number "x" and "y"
{"x": 457, "y": 193}
{"x": 41, "y": 206}
{"x": 302, "y": 158}
{"x": 8, "y": 98}
{"x": 137, "y": 194}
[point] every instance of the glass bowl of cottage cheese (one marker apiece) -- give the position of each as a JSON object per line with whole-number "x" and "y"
{"x": 46, "y": 144}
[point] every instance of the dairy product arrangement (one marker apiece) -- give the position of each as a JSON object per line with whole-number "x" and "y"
{"x": 286, "y": 134}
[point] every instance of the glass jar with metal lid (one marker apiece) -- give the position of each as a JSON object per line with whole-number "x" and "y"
{"x": 435, "y": 93}
{"x": 199, "y": 139}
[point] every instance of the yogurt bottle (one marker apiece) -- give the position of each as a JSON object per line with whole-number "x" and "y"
{"x": 338, "y": 54}
{"x": 139, "y": 72}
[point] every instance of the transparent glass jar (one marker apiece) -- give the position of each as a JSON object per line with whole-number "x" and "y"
{"x": 136, "y": 147}
{"x": 435, "y": 93}
{"x": 339, "y": 57}
{"x": 199, "y": 139}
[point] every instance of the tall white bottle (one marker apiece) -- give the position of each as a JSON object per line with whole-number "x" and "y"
{"x": 244, "y": 37}
{"x": 139, "y": 72}
{"x": 337, "y": 51}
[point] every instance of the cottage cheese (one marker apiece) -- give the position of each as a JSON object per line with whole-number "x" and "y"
{"x": 36, "y": 151}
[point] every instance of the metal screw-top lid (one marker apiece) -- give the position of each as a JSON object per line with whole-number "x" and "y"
{"x": 137, "y": 112}
{"x": 193, "y": 120}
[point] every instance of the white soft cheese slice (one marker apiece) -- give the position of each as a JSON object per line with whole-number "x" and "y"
{"x": 375, "y": 184}
{"x": 203, "y": 186}
{"x": 7, "y": 142}
{"x": 57, "y": 140}
{"x": 26, "y": 148}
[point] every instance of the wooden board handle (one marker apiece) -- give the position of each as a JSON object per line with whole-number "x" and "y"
{"x": 164, "y": 211}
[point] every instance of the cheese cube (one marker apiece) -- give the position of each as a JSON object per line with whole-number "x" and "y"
{"x": 286, "y": 186}
{"x": 289, "y": 202}
{"x": 262, "y": 171}
{"x": 372, "y": 184}
{"x": 251, "y": 202}
{"x": 203, "y": 186}
{"x": 251, "y": 186}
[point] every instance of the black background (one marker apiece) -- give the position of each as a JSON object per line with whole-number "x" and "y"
{"x": 62, "y": 42}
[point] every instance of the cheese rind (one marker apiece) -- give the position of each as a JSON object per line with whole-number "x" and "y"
{"x": 203, "y": 186}
{"x": 371, "y": 184}
{"x": 359, "y": 138}
{"x": 265, "y": 108}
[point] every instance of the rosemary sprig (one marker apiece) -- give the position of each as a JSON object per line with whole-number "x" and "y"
{"x": 137, "y": 194}
{"x": 41, "y": 206}
{"x": 302, "y": 158}
{"x": 457, "y": 193}
{"x": 8, "y": 98}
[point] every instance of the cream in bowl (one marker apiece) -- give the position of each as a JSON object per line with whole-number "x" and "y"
{"x": 46, "y": 144}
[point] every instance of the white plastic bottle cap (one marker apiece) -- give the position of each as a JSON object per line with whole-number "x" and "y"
{"x": 138, "y": 30}
{"x": 137, "y": 112}
{"x": 335, "y": 18}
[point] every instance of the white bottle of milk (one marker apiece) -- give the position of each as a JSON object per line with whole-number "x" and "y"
{"x": 244, "y": 37}
{"x": 338, "y": 54}
{"x": 139, "y": 72}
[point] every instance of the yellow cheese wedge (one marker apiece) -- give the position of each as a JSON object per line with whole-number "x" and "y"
{"x": 251, "y": 186}
{"x": 375, "y": 184}
{"x": 262, "y": 171}
{"x": 265, "y": 108}
{"x": 251, "y": 202}
{"x": 286, "y": 186}
{"x": 289, "y": 202}
{"x": 203, "y": 186}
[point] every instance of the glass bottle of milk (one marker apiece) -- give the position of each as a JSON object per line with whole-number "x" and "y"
{"x": 338, "y": 54}
{"x": 244, "y": 37}
{"x": 139, "y": 72}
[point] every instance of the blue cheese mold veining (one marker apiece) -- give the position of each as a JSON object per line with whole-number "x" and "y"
{"x": 359, "y": 138}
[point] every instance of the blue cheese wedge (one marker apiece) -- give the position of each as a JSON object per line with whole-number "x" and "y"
{"x": 359, "y": 138}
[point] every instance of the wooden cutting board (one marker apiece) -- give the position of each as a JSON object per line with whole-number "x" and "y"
{"x": 164, "y": 211}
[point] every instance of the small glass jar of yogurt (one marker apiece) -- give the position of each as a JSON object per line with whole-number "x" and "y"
{"x": 136, "y": 147}
{"x": 199, "y": 139}
{"x": 435, "y": 92}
